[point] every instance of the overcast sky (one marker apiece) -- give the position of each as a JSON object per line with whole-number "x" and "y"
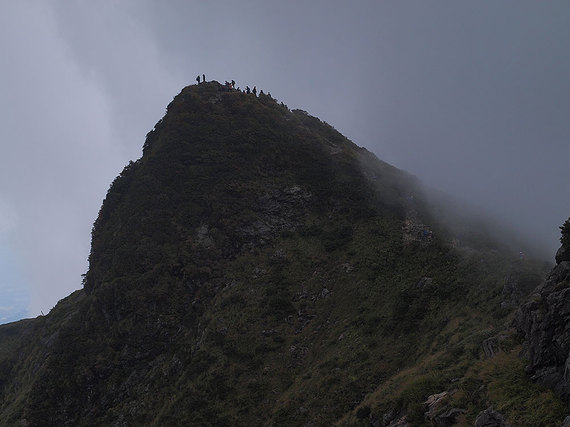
{"x": 473, "y": 97}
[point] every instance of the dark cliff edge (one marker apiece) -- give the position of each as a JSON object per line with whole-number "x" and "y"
{"x": 544, "y": 322}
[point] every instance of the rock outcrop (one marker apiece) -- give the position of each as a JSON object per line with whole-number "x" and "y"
{"x": 563, "y": 254}
{"x": 490, "y": 418}
{"x": 439, "y": 412}
{"x": 544, "y": 322}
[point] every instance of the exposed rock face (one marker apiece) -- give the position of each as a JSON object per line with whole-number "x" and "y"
{"x": 563, "y": 254}
{"x": 545, "y": 324}
{"x": 490, "y": 418}
{"x": 400, "y": 422}
{"x": 490, "y": 346}
{"x": 439, "y": 413}
{"x": 278, "y": 211}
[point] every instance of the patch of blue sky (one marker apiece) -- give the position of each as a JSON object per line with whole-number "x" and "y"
{"x": 14, "y": 293}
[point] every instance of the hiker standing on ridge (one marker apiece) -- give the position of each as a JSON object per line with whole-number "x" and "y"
{"x": 254, "y": 90}
{"x": 198, "y": 79}
{"x": 203, "y": 78}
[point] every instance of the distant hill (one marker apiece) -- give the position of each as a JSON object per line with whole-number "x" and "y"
{"x": 255, "y": 267}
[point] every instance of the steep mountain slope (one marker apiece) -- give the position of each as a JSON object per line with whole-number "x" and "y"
{"x": 544, "y": 322}
{"x": 256, "y": 267}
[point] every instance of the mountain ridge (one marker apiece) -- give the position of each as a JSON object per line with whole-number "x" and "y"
{"x": 255, "y": 267}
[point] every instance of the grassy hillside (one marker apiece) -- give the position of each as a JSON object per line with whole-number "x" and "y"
{"x": 255, "y": 267}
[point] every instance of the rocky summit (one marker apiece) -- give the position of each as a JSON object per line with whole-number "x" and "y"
{"x": 255, "y": 267}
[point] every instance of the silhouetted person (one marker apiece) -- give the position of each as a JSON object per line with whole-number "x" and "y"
{"x": 261, "y": 92}
{"x": 198, "y": 79}
{"x": 247, "y": 89}
{"x": 203, "y": 78}
{"x": 233, "y": 84}
{"x": 254, "y": 91}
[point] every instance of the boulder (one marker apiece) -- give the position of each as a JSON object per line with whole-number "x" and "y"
{"x": 490, "y": 418}
{"x": 439, "y": 412}
{"x": 435, "y": 401}
{"x": 490, "y": 347}
{"x": 400, "y": 422}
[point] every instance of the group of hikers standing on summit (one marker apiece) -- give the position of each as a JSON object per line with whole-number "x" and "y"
{"x": 232, "y": 85}
{"x": 254, "y": 91}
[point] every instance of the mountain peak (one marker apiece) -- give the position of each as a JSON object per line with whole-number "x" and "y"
{"x": 215, "y": 158}
{"x": 256, "y": 267}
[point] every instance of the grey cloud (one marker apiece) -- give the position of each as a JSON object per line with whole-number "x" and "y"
{"x": 56, "y": 149}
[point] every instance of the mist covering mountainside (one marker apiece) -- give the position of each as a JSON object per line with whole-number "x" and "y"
{"x": 255, "y": 267}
